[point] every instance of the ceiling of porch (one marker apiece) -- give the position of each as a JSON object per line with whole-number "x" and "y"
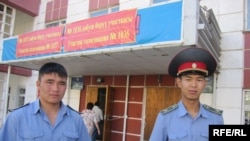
{"x": 107, "y": 62}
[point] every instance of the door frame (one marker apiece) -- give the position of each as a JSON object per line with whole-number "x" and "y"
{"x": 92, "y": 96}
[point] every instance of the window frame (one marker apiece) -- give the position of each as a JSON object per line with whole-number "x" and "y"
{"x": 246, "y": 107}
{"x": 55, "y": 23}
{"x": 247, "y": 15}
{"x": 156, "y": 2}
{"x": 7, "y": 18}
{"x": 104, "y": 11}
{"x": 209, "y": 89}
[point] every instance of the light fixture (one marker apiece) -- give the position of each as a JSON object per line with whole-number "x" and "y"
{"x": 99, "y": 80}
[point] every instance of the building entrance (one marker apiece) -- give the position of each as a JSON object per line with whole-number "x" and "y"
{"x": 104, "y": 94}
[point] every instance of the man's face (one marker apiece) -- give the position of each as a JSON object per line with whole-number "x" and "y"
{"x": 191, "y": 86}
{"x": 51, "y": 88}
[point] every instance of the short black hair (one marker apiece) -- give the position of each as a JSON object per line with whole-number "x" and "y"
{"x": 90, "y": 106}
{"x": 97, "y": 103}
{"x": 52, "y": 67}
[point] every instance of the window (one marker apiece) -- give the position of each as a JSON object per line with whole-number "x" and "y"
{"x": 57, "y": 23}
{"x": 56, "y": 13}
{"x": 7, "y": 15}
{"x": 246, "y": 112}
{"x": 56, "y": 10}
{"x": 21, "y": 97}
{"x": 104, "y": 11}
{"x": 248, "y": 15}
{"x": 158, "y": 1}
{"x": 162, "y": 1}
{"x": 210, "y": 85}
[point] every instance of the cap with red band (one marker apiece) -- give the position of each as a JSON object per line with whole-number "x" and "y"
{"x": 192, "y": 60}
{"x": 191, "y": 66}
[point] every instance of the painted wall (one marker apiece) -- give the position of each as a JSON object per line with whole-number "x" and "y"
{"x": 23, "y": 23}
{"x": 228, "y": 96}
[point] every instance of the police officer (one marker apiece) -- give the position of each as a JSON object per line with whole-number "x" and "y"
{"x": 188, "y": 120}
{"x": 47, "y": 118}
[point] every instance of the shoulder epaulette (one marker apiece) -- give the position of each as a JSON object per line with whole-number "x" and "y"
{"x": 211, "y": 109}
{"x": 10, "y": 110}
{"x": 169, "y": 109}
{"x": 73, "y": 109}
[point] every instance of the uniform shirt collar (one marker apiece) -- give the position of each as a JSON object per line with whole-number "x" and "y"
{"x": 36, "y": 108}
{"x": 203, "y": 111}
{"x": 182, "y": 110}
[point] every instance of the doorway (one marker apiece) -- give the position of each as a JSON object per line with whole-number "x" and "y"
{"x": 104, "y": 94}
{"x": 101, "y": 97}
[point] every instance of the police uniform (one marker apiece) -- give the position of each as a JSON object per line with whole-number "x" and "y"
{"x": 175, "y": 123}
{"x": 29, "y": 122}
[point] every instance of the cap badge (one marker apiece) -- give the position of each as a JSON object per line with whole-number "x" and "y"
{"x": 194, "y": 65}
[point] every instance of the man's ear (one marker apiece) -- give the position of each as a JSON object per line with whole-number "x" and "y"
{"x": 38, "y": 82}
{"x": 178, "y": 81}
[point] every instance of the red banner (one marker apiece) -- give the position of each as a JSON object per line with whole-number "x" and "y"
{"x": 40, "y": 42}
{"x": 111, "y": 29}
